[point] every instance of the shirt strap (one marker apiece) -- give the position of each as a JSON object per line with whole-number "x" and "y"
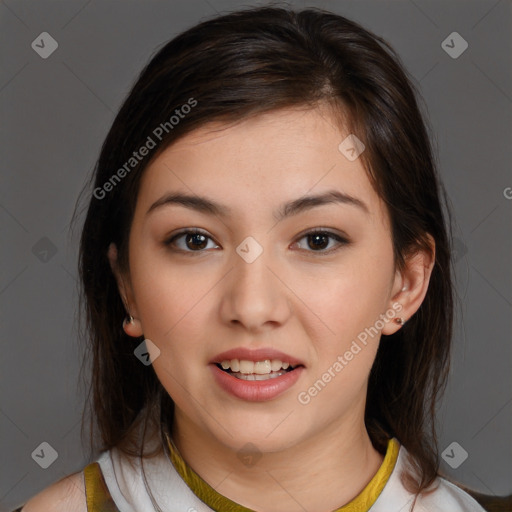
{"x": 98, "y": 496}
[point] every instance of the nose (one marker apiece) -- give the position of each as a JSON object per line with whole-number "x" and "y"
{"x": 254, "y": 297}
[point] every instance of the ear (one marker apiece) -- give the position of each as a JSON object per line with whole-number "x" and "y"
{"x": 410, "y": 286}
{"x": 132, "y": 327}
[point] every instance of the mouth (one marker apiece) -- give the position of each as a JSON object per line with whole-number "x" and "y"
{"x": 265, "y": 369}
{"x": 256, "y": 374}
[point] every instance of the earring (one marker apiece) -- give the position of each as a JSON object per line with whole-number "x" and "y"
{"x": 399, "y": 320}
{"x": 128, "y": 320}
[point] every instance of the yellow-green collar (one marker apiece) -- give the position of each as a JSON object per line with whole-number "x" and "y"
{"x": 216, "y": 501}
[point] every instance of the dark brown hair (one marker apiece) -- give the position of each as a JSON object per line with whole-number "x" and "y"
{"x": 241, "y": 65}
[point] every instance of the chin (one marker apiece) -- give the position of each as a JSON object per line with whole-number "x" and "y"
{"x": 265, "y": 437}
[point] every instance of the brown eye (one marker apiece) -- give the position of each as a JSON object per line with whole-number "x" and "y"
{"x": 318, "y": 241}
{"x": 190, "y": 241}
{"x": 321, "y": 242}
{"x": 196, "y": 241}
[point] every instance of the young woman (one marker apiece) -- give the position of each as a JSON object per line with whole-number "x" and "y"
{"x": 266, "y": 273}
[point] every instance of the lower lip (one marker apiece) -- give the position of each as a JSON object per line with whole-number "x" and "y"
{"x": 256, "y": 390}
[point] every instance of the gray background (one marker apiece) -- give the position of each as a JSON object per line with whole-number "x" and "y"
{"x": 55, "y": 113}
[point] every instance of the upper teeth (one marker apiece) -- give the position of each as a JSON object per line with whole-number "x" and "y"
{"x": 258, "y": 367}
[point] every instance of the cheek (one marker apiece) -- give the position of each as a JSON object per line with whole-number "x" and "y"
{"x": 173, "y": 308}
{"x": 349, "y": 301}
{"x": 352, "y": 297}
{"x": 172, "y": 304}
{"x": 350, "y": 305}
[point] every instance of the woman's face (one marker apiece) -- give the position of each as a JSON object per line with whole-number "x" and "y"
{"x": 293, "y": 264}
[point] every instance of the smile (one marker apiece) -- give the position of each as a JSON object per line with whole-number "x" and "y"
{"x": 255, "y": 370}
{"x": 252, "y": 386}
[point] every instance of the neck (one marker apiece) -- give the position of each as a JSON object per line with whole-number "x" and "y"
{"x": 324, "y": 472}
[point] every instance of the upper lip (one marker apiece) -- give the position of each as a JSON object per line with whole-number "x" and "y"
{"x": 254, "y": 355}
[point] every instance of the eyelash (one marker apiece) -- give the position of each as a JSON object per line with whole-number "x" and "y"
{"x": 342, "y": 241}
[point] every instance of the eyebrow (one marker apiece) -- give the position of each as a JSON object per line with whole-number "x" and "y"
{"x": 205, "y": 205}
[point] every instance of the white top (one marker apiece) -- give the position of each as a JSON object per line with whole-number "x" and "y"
{"x": 171, "y": 493}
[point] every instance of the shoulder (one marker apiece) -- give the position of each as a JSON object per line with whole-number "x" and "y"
{"x": 471, "y": 500}
{"x": 62, "y": 496}
{"x": 447, "y": 496}
{"x": 441, "y": 496}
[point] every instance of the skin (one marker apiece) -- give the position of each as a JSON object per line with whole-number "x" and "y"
{"x": 304, "y": 301}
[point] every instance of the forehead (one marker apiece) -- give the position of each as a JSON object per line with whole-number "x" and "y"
{"x": 260, "y": 162}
